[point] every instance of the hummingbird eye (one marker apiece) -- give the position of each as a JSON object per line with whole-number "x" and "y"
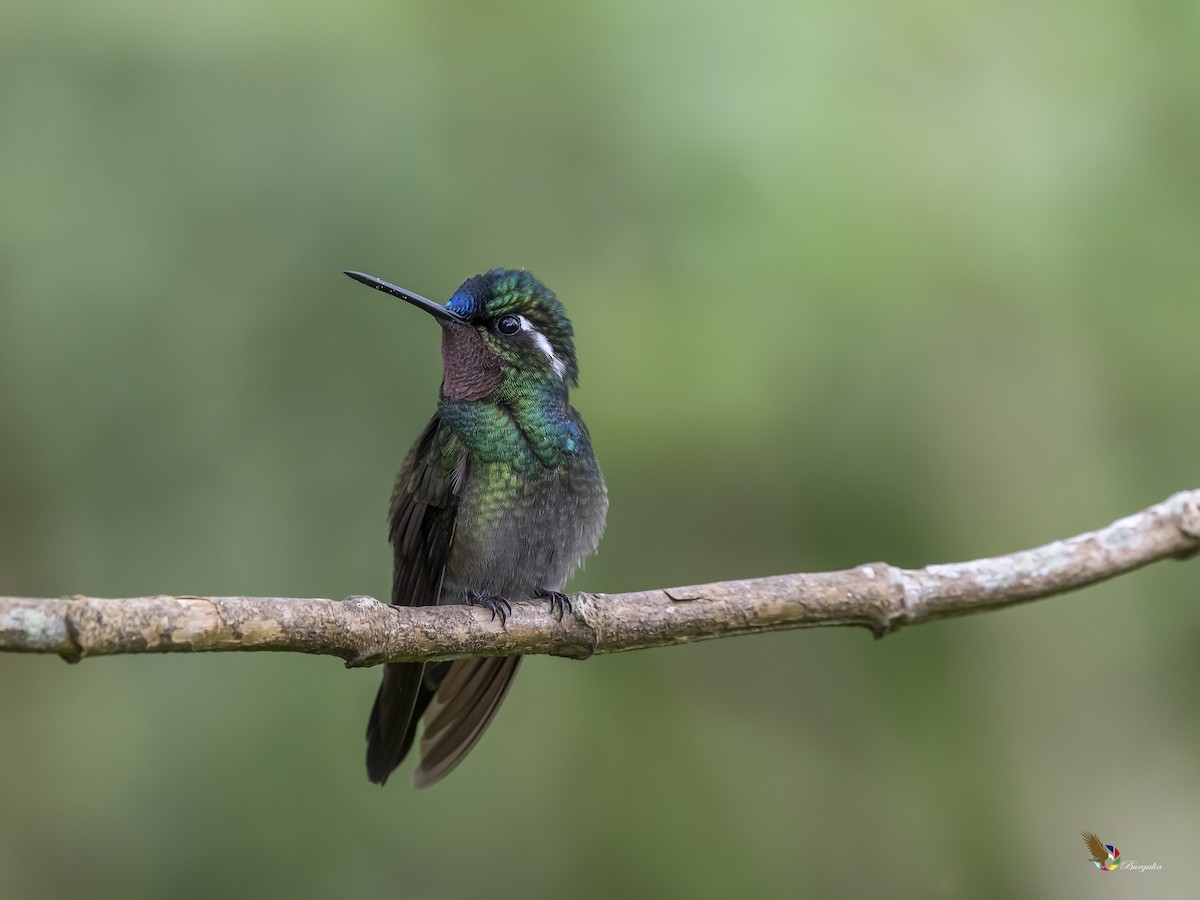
{"x": 508, "y": 325}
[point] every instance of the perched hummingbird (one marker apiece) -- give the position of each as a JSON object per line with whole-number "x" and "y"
{"x": 500, "y": 499}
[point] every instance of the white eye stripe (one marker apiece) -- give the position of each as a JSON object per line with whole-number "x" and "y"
{"x": 543, "y": 344}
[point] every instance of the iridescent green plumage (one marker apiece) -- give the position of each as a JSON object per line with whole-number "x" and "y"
{"x": 516, "y": 292}
{"x": 499, "y": 500}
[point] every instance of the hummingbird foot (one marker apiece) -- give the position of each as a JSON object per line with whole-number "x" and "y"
{"x": 560, "y": 603}
{"x": 496, "y": 604}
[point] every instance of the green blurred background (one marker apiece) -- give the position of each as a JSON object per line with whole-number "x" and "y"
{"x": 851, "y": 281}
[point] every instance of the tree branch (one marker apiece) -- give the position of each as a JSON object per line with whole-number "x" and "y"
{"x": 365, "y": 632}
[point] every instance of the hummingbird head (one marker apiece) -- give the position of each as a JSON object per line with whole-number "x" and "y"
{"x": 521, "y": 322}
{"x": 503, "y": 326}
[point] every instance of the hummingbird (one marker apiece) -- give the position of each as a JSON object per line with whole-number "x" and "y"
{"x": 499, "y": 500}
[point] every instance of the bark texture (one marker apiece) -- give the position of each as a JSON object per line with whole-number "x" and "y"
{"x": 364, "y": 632}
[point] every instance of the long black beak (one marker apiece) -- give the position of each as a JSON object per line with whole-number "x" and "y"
{"x": 434, "y": 309}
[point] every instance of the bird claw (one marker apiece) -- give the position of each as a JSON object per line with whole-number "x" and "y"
{"x": 559, "y": 603}
{"x": 493, "y": 603}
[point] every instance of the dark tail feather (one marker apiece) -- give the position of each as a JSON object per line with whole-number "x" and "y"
{"x": 394, "y": 718}
{"x": 461, "y": 710}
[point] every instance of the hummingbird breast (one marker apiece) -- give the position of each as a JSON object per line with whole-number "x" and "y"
{"x": 520, "y": 532}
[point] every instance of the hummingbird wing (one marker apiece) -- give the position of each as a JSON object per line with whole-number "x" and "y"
{"x": 1095, "y": 847}
{"x": 423, "y": 510}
